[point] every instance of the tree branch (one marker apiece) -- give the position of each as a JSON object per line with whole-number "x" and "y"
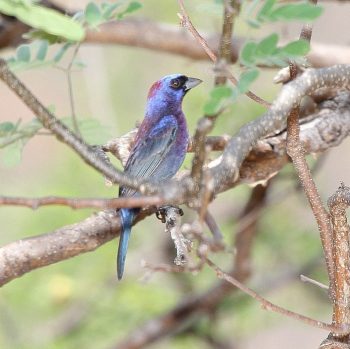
{"x": 272, "y": 307}
{"x": 328, "y": 129}
{"x": 296, "y": 152}
{"x": 88, "y": 153}
{"x": 23, "y": 256}
{"x": 338, "y": 203}
{"x": 78, "y": 203}
{"x": 193, "y": 306}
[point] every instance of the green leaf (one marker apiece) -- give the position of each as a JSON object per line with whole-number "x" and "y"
{"x": 247, "y": 54}
{"x": 45, "y": 19}
{"x": 217, "y": 96}
{"x": 62, "y": 51}
{"x": 108, "y": 10}
{"x": 37, "y": 34}
{"x": 42, "y": 51}
{"x": 246, "y": 79}
{"x": 6, "y": 127}
{"x": 132, "y": 7}
{"x": 11, "y": 154}
{"x": 266, "y": 9}
{"x": 31, "y": 127}
{"x": 296, "y": 48}
{"x": 93, "y": 14}
{"x": 267, "y": 46}
{"x": 220, "y": 92}
{"x": 211, "y": 107}
{"x": 300, "y": 12}
{"x": 23, "y": 53}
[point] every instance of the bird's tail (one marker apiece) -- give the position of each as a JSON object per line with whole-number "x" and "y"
{"x": 127, "y": 216}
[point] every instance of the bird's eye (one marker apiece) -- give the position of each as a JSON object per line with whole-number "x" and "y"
{"x": 175, "y": 83}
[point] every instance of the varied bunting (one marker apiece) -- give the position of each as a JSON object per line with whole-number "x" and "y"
{"x": 160, "y": 145}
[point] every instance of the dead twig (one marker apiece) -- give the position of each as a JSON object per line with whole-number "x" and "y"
{"x": 170, "y": 215}
{"x": 267, "y": 305}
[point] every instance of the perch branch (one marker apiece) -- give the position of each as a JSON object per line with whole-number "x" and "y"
{"x": 22, "y": 256}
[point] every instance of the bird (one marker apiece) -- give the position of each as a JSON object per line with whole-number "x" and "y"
{"x": 159, "y": 147}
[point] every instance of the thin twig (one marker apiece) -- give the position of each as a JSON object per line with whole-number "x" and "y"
{"x": 247, "y": 231}
{"x": 231, "y": 10}
{"x": 296, "y": 152}
{"x": 304, "y": 278}
{"x": 267, "y": 305}
{"x": 79, "y": 203}
{"x": 213, "y": 226}
{"x": 186, "y": 22}
{"x": 63, "y": 134}
{"x": 70, "y": 90}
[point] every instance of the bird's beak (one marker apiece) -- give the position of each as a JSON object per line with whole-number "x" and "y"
{"x": 191, "y": 82}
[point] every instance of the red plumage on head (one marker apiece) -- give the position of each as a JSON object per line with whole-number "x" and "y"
{"x": 154, "y": 88}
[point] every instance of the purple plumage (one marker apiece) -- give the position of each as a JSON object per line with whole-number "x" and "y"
{"x": 160, "y": 145}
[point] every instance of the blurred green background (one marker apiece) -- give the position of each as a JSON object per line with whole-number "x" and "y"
{"x": 78, "y": 302}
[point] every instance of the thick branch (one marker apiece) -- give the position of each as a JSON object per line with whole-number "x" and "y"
{"x": 23, "y": 256}
{"x": 20, "y": 257}
{"x": 338, "y": 203}
{"x": 225, "y": 170}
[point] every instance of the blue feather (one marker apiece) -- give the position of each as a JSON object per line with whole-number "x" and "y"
{"x": 127, "y": 217}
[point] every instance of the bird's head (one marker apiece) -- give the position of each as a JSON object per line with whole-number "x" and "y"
{"x": 167, "y": 94}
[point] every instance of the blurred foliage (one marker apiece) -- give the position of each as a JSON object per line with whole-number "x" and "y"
{"x": 45, "y": 19}
{"x": 30, "y": 305}
{"x": 265, "y": 52}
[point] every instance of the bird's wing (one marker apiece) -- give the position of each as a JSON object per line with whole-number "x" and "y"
{"x": 149, "y": 151}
